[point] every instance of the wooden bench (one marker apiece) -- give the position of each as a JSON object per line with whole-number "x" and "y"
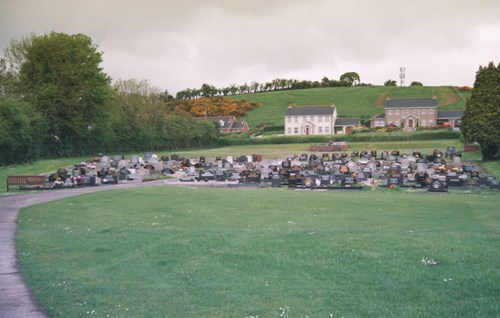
{"x": 26, "y": 181}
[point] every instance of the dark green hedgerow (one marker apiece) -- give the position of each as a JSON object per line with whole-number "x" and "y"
{"x": 243, "y": 139}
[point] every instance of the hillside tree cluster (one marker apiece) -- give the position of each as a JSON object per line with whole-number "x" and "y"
{"x": 206, "y": 90}
{"x": 55, "y": 100}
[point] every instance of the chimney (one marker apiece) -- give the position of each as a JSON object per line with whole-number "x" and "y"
{"x": 388, "y": 98}
{"x": 332, "y": 105}
{"x": 290, "y": 105}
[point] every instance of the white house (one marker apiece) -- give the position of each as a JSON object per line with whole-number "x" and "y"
{"x": 316, "y": 120}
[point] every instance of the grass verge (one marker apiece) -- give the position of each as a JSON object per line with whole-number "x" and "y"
{"x": 184, "y": 252}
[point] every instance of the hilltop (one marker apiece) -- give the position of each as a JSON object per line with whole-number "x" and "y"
{"x": 363, "y": 102}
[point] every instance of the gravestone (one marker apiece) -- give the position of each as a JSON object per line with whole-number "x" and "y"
{"x": 450, "y": 151}
{"x": 286, "y": 165}
{"x": 494, "y": 185}
{"x": 220, "y": 175}
{"x": 394, "y": 170}
{"x": 395, "y": 181}
{"x": 438, "y": 186}
{"x": 453, "y": 180}
{"x": 367, "y": 171}
{"x": 325, "y": 179}
{"x": 275, "y": 180}
{"x": 348, "y": 181}
{"x": 421, "y": 178}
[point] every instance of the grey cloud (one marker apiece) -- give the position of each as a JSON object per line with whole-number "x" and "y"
{"x": 184, "y": 43}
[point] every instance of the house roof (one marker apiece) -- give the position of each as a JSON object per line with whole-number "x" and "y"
{"x": 379, "y": 116}
{"x": 442, "y": 114}
{"x": 347, "y": 122}
{"x": 309, "y": 110}
{"x": 239, "y": 125}
{"x": 410, "y": 102}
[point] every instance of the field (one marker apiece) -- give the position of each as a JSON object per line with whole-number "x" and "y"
{"x": 363, "y": 102}
{"x": 193, "y": 252}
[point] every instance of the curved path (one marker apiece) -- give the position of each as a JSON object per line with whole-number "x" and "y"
{"x": 16, "y": 298}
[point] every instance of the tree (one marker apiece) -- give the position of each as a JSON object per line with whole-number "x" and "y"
{"x": 350, "y": 77}
{"x": 208, "y": 90}
{"x": 19, "y": 131}
{"x": 390, "y": 82}
{"x": 60, "y": 75}
{"x": 416, "y": 84}
{"x": 481, "y": 120}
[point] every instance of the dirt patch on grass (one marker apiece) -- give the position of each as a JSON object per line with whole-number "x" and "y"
{"x": 450, "y": 97}
{"x": 379, "y": 101}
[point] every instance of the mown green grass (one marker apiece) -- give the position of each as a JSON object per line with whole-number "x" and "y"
{"x": 193, "y": 252}
{"x": 361, "y": 102}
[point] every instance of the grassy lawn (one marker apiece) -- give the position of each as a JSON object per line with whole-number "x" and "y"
{"x": 193, "y": 252}
{"x": 361, "y": 102}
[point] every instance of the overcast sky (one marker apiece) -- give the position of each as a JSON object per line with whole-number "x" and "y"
{"x": 178, "y": 44}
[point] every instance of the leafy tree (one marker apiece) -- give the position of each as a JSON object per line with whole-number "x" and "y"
{"x": 481, "y": 120}
{"x": 416, "y": 84}
{"x": 19, "y": 132}
{"x": 208, "y": 90}
{"x": 60, "y": 75}
{"x": 390, "y": 83}
{"x": 350, "y": 77}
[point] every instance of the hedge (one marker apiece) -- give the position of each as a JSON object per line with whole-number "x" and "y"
{"x": 233, "y": 140}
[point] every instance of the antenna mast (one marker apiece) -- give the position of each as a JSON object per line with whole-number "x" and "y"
{"x": 402, "y": 70}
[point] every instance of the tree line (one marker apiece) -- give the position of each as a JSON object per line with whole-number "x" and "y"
{"x": 206, "y": 90}
{"x": 55, "y": 100}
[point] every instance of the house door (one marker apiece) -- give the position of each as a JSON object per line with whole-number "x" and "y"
{"x": 410, "y": 122}
{"x": 307, "y": 130}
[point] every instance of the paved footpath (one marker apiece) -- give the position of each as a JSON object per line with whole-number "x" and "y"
{"x": 16, "y": 298}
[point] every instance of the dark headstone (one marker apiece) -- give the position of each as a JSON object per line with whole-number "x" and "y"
{"x": 438, "y": 186}
{"x": 450, "y": 151}
{"x": 220, "y": 175}
{"x": 348, "y": 181}
{"x": 453, "y": 180}
{"x": 395, "y": 181}
{"x": 494, "y": 185}
{"x": 276, "y": 180}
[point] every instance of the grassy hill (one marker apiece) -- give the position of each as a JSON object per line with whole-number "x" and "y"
{"x": 362, "y": 102}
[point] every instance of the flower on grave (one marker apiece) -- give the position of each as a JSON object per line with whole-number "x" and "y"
{"x": 428, "y": 261}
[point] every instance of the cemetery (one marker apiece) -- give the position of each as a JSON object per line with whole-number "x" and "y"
{"x": 341, "y": 170}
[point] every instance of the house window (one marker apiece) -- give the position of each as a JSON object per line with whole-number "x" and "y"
{"x": 304, "y": 118}
{"x": 311, "y": 118}
{"x": 320, "y": 130}
{"x": 397, "y": 123}
{"x": 320, "y": 119}
{"x": 424, "y": 123}
{"x": 327, "y": 130}
{"x": 295, "y": 119}
{"x": 389, "y": 112}
{"x": 289, "y": 120}
{"x": 289, "y": 131}
{"x": 424, "y": 112}
{"x": 296, "y": 130}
